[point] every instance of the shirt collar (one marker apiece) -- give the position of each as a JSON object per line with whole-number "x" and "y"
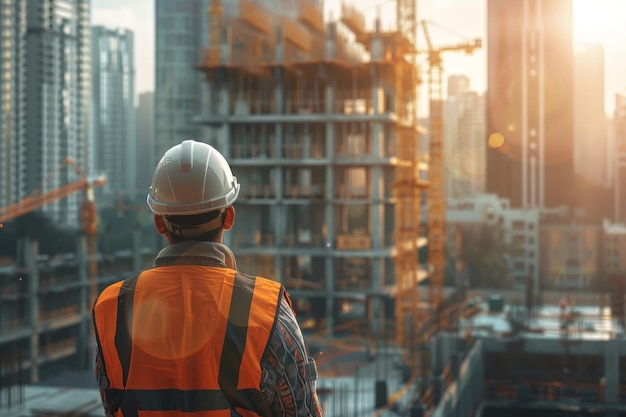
{"x": 193, "y": 252}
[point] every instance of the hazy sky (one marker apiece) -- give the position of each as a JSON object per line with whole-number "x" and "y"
{"x": 594, "y": 20}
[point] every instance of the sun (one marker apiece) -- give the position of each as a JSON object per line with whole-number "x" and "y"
{"x": 598, "y": 20}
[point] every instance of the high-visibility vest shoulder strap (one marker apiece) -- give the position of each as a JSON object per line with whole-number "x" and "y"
{"x": 254, "y": 304}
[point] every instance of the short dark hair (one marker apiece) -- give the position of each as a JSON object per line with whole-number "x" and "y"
{"x": 197, "y": 219}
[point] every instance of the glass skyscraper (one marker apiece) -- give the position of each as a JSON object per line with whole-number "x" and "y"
{"x": 113, "y": 74}
{"x": 57, "y": 99}
{"x": 12, "y": 22}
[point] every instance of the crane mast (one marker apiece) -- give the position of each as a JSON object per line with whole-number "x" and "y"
{"x": 406, "y": 16}
{"x": 436, "y": 194}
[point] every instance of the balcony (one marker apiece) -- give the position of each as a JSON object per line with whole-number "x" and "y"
{"x": 296, "y": 35}
{"x": 255, "y": 16}
{"x": 311, "y": 15}
{"x": 353, "y": 19}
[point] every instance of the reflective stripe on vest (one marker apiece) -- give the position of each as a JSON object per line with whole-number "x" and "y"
{"x": 165, "y": 373}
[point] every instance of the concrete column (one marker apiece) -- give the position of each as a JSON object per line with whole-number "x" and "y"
{"x": 224, "y": 110}
{"x": 330, "y": 99}
{"x": 223, "y": 132}
{"x": 278, "y": 94}
{"x": 330, "y": 211}
{"x": 377, "y": 222}
{"x": 29, "y": 252}
{"x": 378, "y": 100}
{"x": 85, "y": 308}
{"x": 280, "y": 213}
{"x": 277, "y": 145}
{"x": 611, "y": 371}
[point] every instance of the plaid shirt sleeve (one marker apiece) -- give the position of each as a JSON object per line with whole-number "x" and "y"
{"x": 289, "y": 374}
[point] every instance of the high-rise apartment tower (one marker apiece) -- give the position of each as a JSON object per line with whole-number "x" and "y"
{"x": 13, "y": 24}
{"x": 57, "y": 99}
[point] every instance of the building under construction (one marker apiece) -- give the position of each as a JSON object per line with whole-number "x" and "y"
{"x": 318, "y": 121}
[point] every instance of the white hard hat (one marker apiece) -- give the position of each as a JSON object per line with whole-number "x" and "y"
{"x": 191, "y": 178}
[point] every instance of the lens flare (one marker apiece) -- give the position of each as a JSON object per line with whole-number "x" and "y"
{"x": 496, "y": 140}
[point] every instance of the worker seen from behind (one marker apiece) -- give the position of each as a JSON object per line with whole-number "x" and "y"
{"x": 192, "y": 333}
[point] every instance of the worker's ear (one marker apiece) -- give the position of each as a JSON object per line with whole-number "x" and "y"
{"x": 160, "y": 226}
{"x": 229, "y": 218}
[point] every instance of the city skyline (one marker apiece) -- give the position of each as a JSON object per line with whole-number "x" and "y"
{"x": 592, "y": 23}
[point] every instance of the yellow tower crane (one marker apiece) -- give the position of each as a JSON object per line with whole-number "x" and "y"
{"x": 436, "y": 196}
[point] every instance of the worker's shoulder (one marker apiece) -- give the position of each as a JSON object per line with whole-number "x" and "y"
{"x": 111, "y": 291}
{"x": 266, "y": 285}
{"x": 257, "y": 279}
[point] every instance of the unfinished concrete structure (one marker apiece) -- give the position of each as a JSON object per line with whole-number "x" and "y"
{"x": 322, "y": 134}
{"x": 45, "y": 311}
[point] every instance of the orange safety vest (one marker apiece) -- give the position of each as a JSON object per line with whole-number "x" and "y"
{"x": 174, "y": 340}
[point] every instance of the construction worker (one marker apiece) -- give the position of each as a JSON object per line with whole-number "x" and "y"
{"x": 193, "y": 334}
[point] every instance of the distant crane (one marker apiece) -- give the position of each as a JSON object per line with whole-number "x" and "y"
{"x": 88, "y": 212}
{"x": 436, "y": 196}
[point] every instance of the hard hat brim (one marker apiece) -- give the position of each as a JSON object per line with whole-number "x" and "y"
{"x": 169, "y": 209}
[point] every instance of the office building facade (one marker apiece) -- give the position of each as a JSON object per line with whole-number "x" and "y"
{"x": 12, "y": 22}
{"x": 464, "y": 140}
{"x": 181, "y": 34}
{"x": 590, "y": 121}
{"x": 530, "y": 102}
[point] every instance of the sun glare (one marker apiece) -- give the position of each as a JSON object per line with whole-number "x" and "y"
{"x": 598, "y": 20}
